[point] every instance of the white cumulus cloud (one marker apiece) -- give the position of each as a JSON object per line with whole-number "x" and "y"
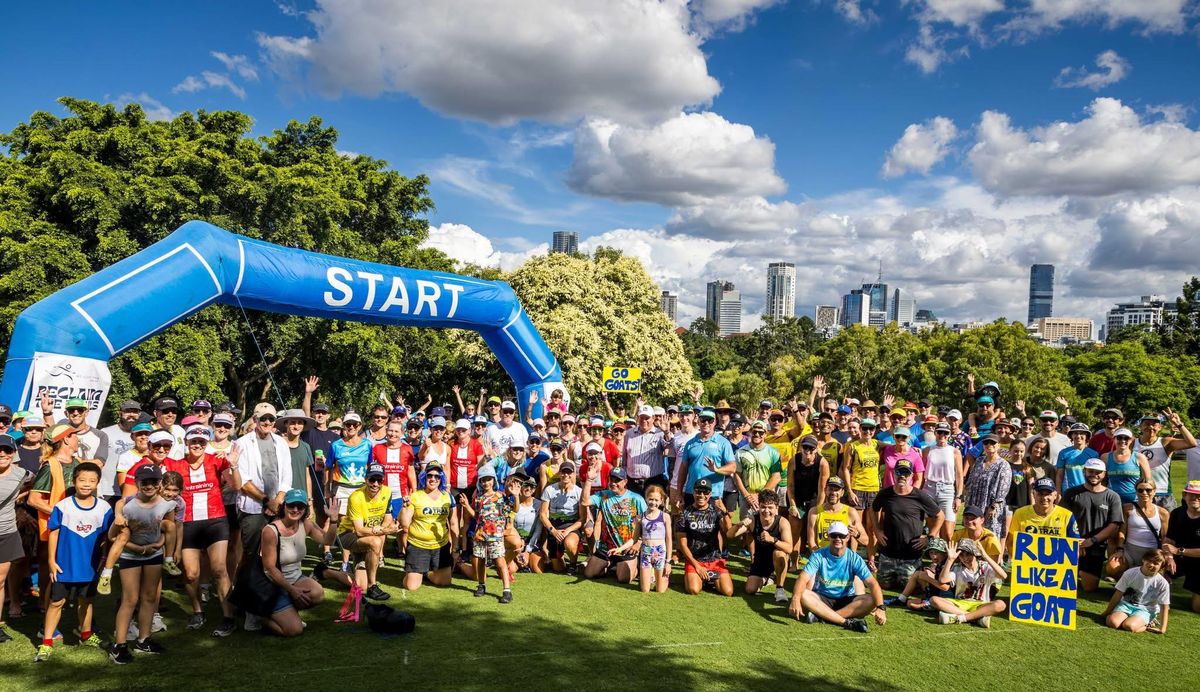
{"x": 237, "y": 64}
{"x": 688, "y": 159}
{"x": 921, "y": 147}
{"x": 627, "y": 60}
{"x": 1113, "y": 68}
{"x": 466, "y": 245}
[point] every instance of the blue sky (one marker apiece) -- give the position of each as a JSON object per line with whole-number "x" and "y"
{"x": 713, "y": 137}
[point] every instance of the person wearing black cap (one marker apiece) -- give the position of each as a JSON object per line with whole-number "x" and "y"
{"x": 1044, "y": 516}
{"x": 905, "y": 518}
{"x": 809, "y": 474}
{"x": 699, "y": 538}
{"x": 319, "y": 436}
{"x": 166, "y": 411}
{"x": 561, "y": 518}
{"x": 973, "y": 528}
{"x": 618, "y": 509}
{"x": 366, "y": 525}
{"x": 12, "y": 480}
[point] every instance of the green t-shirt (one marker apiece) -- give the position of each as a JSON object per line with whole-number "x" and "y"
{"x": 42, "y": 481}
{"x": 755, "y": 466}
{"x": 302, "y": 458}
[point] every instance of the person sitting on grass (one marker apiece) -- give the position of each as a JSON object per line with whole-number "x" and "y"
{"x": 367, "y": 523}
{"x": 825, "y": 588}
{"x": 699, "y": 538}
{"x": 618, "y": 510}
{"x": 772, "y": 538}
{"x": 142, "y": 525}
{"x": 77, "y": 525}
{"x": 431, "y": 528}
{"x": 926, "y": 581}
{"x": 1182, "y": 541}
{"x": 974, "y": 529}
{"x": 1142, "y": 599}
{"x": 490, "y": 512}
{"x": 974, "y": 573}
{"x": 653, "y": 532}
{"x": 283, "y": 549}
{"x": 560, "y": 517}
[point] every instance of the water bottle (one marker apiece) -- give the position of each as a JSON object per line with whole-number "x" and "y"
{"x": 319, "y": 463}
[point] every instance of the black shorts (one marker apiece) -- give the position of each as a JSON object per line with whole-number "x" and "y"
{"x": 554, "y": 549}
{"x": 837, "y": 603}
{"x": 763, "y": 564}
{"x": 425, "y": 560}
{"x": 11, "y": 548}
{"x": 1189, "y": 569}
{"x": 613, "y": 560}
{"x": 199, "y": 535}
{"x": 128, "y": 562}
{"x": 72, "y": 590}
{"x": 1092, "y": 561}
{"x": 349, "y": 541}
{"x": 469, "y": 491}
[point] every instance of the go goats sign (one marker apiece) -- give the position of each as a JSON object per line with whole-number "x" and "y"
{"x": 617, "y": 379}
{"x": 1044, "y": 580}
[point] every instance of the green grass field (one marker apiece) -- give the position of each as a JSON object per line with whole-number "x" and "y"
{"x": 563, "y": 632}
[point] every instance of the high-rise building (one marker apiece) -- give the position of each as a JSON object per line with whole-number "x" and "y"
{"x": 826, "y": 316}
{"x": 856, "y": 308}
{"x": 723, "y": 305}
{"x": 903, "y": 308}
{"x": 565, "y": 242}
{"x": 1056, "y": 329}
{"x": 669, "y": 303}
{"x": 1149, "y": 312}
{"x": 781, "y": 290}
{"x": 1041, "y": 291}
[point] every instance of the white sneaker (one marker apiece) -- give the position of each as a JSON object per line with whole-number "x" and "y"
{"x": 253, "y": 623}
{"x": 946, "y": 619}
{"x": 781, "y": 595}
{"x": 132, "y": 632}
{"x": 157, "y": 624}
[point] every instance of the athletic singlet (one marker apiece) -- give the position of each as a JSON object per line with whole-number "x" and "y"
{"x": 864, "y": 466}
{"x": 805, "y": 481}
{"x": 1159, "y": 462}
{"x": 1123, "y": 475}
{"x": 654, "y": 529}
{"x": 1141, "y": 534}
{"x": 464, "y": 464}
{"x": 826, "y": 517}
{"x": 761, "y": 547}
{"x": 939, "y": 465}
{"x": 525, "y": 518}
{"x": 437, "y": 453}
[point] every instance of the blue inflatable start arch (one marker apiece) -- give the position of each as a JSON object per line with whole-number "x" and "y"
{"x": 56, "y": 340}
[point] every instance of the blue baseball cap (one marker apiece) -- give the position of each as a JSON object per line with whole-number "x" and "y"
{"x": 295, "y": 496}
{"x": 845, "y": 409}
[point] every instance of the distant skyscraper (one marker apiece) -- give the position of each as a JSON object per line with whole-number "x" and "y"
{"x": 903, "y": 308}
{"x": 723, "y": 305}
{"x": 781, "y": 290}
{"x": 565, "y": 242}
{"x": 856, "y": 308}
{"x": 669, "y": 303}
{"x": 1041, "y": 291}
{"x": 826, "y": 316}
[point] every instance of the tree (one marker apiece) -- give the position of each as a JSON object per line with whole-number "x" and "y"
{"x": 80, "y": 192}
{"x": 773, "y": 339}
{"x": 1183, "y": 332}
{"x": 1126, "y": 376}
{"x": 743, "y": 391}
{"x": 707, "y": 352}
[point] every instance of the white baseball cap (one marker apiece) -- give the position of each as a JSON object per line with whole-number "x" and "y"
{"x": 955, "y": 414}
{"x": 647, "y": 411}
{"x": 839, "y": 528}
{"x": 508, "y": 406}
{"x": 159, "y": 436}
{"x": 462, "y": 424}
{"x": 351, "y": 416}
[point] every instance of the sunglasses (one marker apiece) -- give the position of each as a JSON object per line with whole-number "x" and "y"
{"x": 1145, "y": 490}
{"x": 266, "y": 419}
{"x": 5, "y": 421}
{"x": 432, "y": 476}
{"x": 161, "y": 445}
{"x": 1111, "y": 418}
{"x": 374, "y": 480}
{"x": 380, "y": 417}
{"x": 351, "y": 424}
{"x": 837, "y": 537}
{"x": 867, "y": 428}
{"x": 705, "y": 493}
{"x": 942, "y": 432}
{"x": 76, "y": 410}
{"x": 989, "y": 443}
{"x": 223, "y": 426}
{"x": 298, "y": 506}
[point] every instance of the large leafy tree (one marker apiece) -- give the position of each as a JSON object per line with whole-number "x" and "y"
{"x": 84, "y": 190}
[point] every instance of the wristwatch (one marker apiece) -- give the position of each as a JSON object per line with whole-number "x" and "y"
{"x": 881, "y": 606}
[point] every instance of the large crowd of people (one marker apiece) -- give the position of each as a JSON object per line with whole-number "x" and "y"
{"x": 827, "y": 502}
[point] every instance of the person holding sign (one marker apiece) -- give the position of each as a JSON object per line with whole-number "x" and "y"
{"x": 1043, "y": 516}
{"x": 825, "y": 588}
{"x": 1142, "y": 600}
{"x": 974, "y": 573}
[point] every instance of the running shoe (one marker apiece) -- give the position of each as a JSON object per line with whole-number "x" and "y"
{"x": 196, "y": 621}
{"x": 253, "y": 623}
{"x": 376, "y": 594}
{"x": 4, "y": 636}
{"x": 946, "y": 619}
{"x": 506, "y": 597}
{"x": 172, "y": 568}
{"x": 204, "y": 590}
{"x": 781, "y": 595}
{"x": 148, "y": 646}
{"x": 43, "y": 653}
{"x": 810, "y": 617}
{"x": 480, "y": 590}
{"x": 985, "y": 622}
{"x": 93, "y": 641}
{"x": 157, "y": 624}
{"x": 225, "y": 629}
{"x": 855, "y": 625}
{"x": 132, "y": 632}
{"x": 120, "y": 654}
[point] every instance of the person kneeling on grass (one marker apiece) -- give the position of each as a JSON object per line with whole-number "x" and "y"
{"x": 490, "y": 512}
{"x": 974, "y": 573}
{"x": 702, "y": 526}
{"x": 1142, "y": 600}
{"x": 653, "y": 533}
{"x": 431, "y": 527}
{"x": 77, "y": 525}
{"x": 825, "y": 588}
{"x": 617, "y": 510}
{"x": 283, "y": 550}
{"x": 926, "y": 581}
{"x": 772, "y": 545}
{"x": 367, "y": 524}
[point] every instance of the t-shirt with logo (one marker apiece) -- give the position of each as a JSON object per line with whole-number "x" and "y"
{"x": 833, "y": 577}
{"x": 756, "y": 466}
{"x": 976, "y": 584}
{"x": 563, "y": 504}
{"x": 396, "y": 462}
{"x": 430, "y": 527}
{"x": 81, "y": 531}
{"x": 463, "y": 464}
{"x": 1093, "y": 511}
{"x": 201, "y": 486}
{"x": 617, "y": 514}
{"x": 695, "y": 455}
{"x": 1059, "y": 522}
{"x": 500, "y": 439}
{"x": 370, "y": 511}
{"x": 1150, "y": 593}
{"x": 1071, "y": 461}
{"x": 350, "y": 462}
{"x": 702, "y": 528}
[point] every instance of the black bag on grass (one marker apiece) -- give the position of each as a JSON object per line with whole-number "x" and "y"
{"x": 384, "y": 619}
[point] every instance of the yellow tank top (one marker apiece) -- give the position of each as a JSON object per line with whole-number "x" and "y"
{"x": 864, "y": 466}
{"x": 826, "y": 517}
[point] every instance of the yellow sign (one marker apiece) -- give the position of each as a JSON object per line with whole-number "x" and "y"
{"x": 1045, "y": 580}
{"x": 616, "y": 379}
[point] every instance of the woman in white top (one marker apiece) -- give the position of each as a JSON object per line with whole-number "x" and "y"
{"x": 1145, "y": 526}
{"x": 944, "y": 477}
{"x": 435, "y": 450}
{"x": 523, "y": 538}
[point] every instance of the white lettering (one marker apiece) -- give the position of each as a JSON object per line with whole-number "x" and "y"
{"x": 454, "y": 290}
{"x": 336, "y": 276}
{"x": 398, "y": 296}
{"x": 427, "y": 294}
{"x": 372, "y": 279}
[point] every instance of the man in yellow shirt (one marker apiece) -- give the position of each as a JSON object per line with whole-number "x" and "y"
{"x": 431, "y": 527}
{"x": 367, "y": 524}
{"x": 1044, "y": 516}
{"x": 973, "y": 528}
